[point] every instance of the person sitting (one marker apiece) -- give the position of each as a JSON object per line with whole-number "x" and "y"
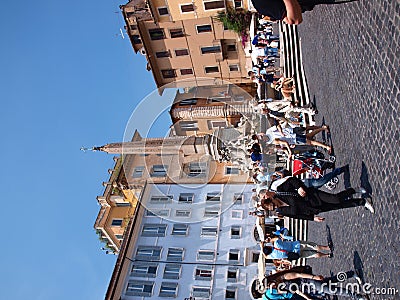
{"x": 292, "y": 250}
{"x": 287, "y": 136}
{"x": 310, "y": 182}
{"x": 255, "y": 153}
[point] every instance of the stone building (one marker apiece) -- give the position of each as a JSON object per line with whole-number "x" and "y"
{"x": 174, "y": 160}
{"x": 168, "y": 253}
{"x": 184, "y": 44}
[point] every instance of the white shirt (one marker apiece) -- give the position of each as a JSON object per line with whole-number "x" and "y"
{"x": 288, "y": 134}
{"x": 278, "y": 182}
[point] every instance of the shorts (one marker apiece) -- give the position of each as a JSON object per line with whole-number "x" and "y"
{"x": 299, "y": 130}
{"x": 307, "y": 249}
{"x": 301, "y": 139}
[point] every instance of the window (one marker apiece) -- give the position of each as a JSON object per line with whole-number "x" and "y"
{"x": 162, "y": 11}
{"x": 207, "y": 255}
{"x": 213, "y": 69}
{"x": 144, "y": 269}
{"x": 140, "y": 288}
{"x": 159, "y": 171}
{"x": 230, "y": 293}
{"x": 154, "y": 229}
{"x": 217, "y": 124}
{"x": 232, "y": 274}
{"x": 201, "y": 292}
{"x": 203, "y": 272}
{"x": 233, "y": 255}
{"x": 182, "y": 213}
{"x": 157, "y": 213}
{"x": 210, "y": 49}
{"x": 237, "y": 214}
{"x": 207, "y": 231}
{"x": 231, "y": 171}
{"x": 210, "y": 213}
{"x": 168, "y": 73}
{"x": 203, "y": 28}
{"x": 234, "y": 68}
{"x": 185, "y": 197}
{"x": 123, "y": 204}
{"x": 119, "y": 237}
{"x": 186, "y": 71}
{"x": 236, "y": 232}
{"x": 156, "y": 34}
{"x": 133, "y": 27}
{"x": 148, "y": 252}
{"x": 255, "y": 256}
{"x": 197, "y": 169}
{"x": 186, "y": 8}
{"x": 238, "y": 3}
{"x": 238, "y": 198}
{"x": 231, "y": 47}
{"x": 168, "y": 289}
{"x": 116, "y": 222}
{"x": 214, "y": 5}
{"x": 181, "y": 52}
{"x": 188, "y": 102}
{"x": 162, "y": 54}
{"x": 188, "y": 125}
{"x": 150, "y": 213}
{"x": 136, "y": 39}
{"x": 172, "y": 271}
{"x": 180, "y": 229}
{"x": 213, "y": 197}
{"x": 161, "y": 199}
{"x": 175, "y": 254}
{"x": 138, "y": 172}
{"x": 176, "y": 33}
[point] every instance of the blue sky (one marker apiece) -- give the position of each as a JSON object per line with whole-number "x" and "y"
{"x": 67, "y": 80}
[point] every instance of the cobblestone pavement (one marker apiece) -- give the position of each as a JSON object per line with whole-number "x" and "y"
{"x": 351, "y": 54}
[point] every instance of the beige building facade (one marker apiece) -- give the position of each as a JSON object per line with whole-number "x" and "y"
{"x": 117, "y": 205}
{"x": 184, "y": 44}
{"x": 175, "y": 160}
{"x": 201, "y": 110}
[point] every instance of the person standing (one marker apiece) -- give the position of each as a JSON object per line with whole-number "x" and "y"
{"x": 289, "y": 11}
{"x": 293, "y": 199}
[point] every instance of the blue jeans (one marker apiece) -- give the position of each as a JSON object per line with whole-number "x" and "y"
{"x": 317, "y": 183}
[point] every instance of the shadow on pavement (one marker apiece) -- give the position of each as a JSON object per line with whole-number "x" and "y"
{"x": 313, "y": 104}
{"x": 364, "y": 178}
{"x": 329, "y": 238}
{"x": 358, "y": 266}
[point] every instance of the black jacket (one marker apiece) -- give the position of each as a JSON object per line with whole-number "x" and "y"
{"x": 298, "y": 207}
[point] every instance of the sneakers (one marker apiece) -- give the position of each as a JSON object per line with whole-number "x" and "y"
{"x": 359, "y": 281}
{"x": 368, "y": 205}
{"x": 360, "y": 190}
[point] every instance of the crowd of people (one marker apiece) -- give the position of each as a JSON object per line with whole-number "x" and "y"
{"x": 279, "y": 193}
